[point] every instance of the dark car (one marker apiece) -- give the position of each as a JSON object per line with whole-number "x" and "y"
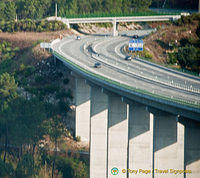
{"x": 97, "y": 65}
{"x": 128, "y": 58}
{"x": 135, "y": 36}
{"x": 78, "y": 37}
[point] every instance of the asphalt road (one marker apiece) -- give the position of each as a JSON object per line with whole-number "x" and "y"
{"x": 135, "y": 73}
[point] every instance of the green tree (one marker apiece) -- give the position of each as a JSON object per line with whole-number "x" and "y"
{"x": 107, "y": 4}
{"x": 140, "y": 5}
{"x": 84, "y": 6}
{"x": 73, "y": 7}
{"x": 126, "y": 6}
{"x": 8, "y": 90}
{"x": 10, "y": 10}
{"x": 6, "y": 169}
{"x": 117, "y": 6}
{"x": 22, "y": 116}
{"x": 96, "y": 6}
{"x": 70, "y": 167}
{"x": 56, "y": 129}
{"x": 198, "y": 30}
{"x": 26, "y": 167}
{"x": 29, "y": 116}
{"x": 33, "y": 9}
{"x": 28, "y": 9}
{"x": 185, "y": 55}
{"x": 2, "y": 7}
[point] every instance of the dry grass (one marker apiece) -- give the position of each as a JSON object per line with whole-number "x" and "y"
{"x": 26, "y": 39}
{"x": 167, "y": 34}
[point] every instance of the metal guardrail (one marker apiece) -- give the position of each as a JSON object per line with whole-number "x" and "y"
{"x": 107, "y": 79}
{"x": 171, "y": 83}
{"x": 112, "y": 82}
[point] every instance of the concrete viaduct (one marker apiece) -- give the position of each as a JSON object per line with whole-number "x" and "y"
{"x": 141, "y": 135}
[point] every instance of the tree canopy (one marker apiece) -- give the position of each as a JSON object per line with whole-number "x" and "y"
{"x": 176, "y": 4}
{"x": 38, "y": 9}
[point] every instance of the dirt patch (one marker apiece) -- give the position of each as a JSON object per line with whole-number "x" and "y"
{"x": 65, "y": 144}
{"x": 26, "y": 39}
{"x": 102, "y": 28}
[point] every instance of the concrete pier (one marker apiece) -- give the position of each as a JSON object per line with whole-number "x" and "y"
{"x": 98, "y": 139}
{"x": 115, "y": 32}
{"x": 168, "y": 145}
{"x": 192, "y": 148}
{"x": 124, "y": 134}
{"x": 117, "y": 136}
{"x": 82, "y": 109}
{"x": 140, "y": 141}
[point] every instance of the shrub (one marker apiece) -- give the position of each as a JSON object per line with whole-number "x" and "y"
{"x": 6, "y": 169}
{"x": 66, "y": 81}
{"x": 198, "y": 30}
{"x": 186, "y": 55}
{"x": 39, "y": 28}
{"x": 70, "y": 167}
{"x": 6, "y": 51}
{"x": 29, "y": 71}
{"x": 78, "y": 138}
{"x": 22, "y": 67}
{"x": 31, "y": 25}
{"x": 172, "y": 58}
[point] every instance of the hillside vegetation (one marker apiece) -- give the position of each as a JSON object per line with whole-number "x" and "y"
{"x": 38, "y": 9}
{"x": 36, "y": 130}
{"x": 176, "y": 4}
{"x": 177, "y": 44}
{"x": 31, "y": 25}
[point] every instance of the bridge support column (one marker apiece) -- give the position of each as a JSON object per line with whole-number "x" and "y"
{"x": 99, "y": 127}
{"x": 68, "y": 25}
{"x": 168, "y": 145}
{"x": 192, "y": 148}
{"x": 115, "y": 33}
{"x": 117, "y": 135}
{"x": 82, "y": 109}
{"x": 140, "y": 141}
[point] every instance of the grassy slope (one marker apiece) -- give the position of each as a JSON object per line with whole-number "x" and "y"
{"x": 167, "y": 33}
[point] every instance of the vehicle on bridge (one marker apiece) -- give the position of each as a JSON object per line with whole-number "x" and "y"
{"x": 135, "y": 36}
{"x": 128, "y": 58}
{"x": 97, "y": 65}
{"x": 78, "y": 38}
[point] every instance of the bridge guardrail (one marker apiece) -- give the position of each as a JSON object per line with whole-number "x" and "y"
{"x": 193, "y": 104}
{"x": 142, "y": 75}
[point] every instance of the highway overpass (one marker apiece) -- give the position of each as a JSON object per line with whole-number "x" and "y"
{"x": 136, "y": 115}
{"x": 115, "y": 20}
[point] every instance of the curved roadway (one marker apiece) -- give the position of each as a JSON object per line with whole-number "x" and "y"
{"x": 136, "y": 74}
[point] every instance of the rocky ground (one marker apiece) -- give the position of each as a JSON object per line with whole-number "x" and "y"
{"x": 102, "y": 28}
